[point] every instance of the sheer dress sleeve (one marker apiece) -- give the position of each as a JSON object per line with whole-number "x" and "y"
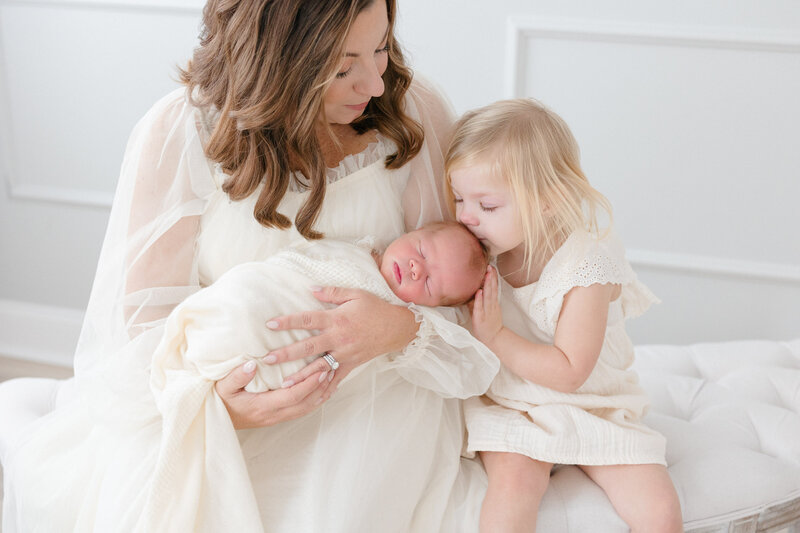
{"x": 438, "y": 358}
{"x": 147, "y": 264}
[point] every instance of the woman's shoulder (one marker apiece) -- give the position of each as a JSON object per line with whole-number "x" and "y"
{"x": 429, "y": 101}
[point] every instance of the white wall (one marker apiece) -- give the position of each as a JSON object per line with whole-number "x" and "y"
{"x": 75, "y": 76}
{"x": 686, "y": 113}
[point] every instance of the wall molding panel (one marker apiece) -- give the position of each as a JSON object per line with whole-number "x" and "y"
{"x": 748, "y": 271}
{"x": 39, "y": 333}
{"x": 521, "y": 29}
{"x": 18, "y": 188}
{"x": 60, "y": 195}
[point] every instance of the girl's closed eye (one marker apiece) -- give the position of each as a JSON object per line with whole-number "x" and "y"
{"x": 488, "y": 208}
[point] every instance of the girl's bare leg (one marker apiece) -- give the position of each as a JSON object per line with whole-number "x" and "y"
{"x": 516, "y": 486}
{"x": 643, "y": 495}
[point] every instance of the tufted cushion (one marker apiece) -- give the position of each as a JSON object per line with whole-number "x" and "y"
{"x": 730, "y": 412}
{"x": 731, "y": 415}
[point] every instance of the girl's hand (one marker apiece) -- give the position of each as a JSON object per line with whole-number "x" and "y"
{"x": 249, "y": 409}
{"x": 487, "y": 320}
{"x": 362, "y": 327}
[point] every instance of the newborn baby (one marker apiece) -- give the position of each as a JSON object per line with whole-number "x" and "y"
{"x": 223, "y": 325}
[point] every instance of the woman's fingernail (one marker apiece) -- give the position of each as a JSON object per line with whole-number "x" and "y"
{"x": 319, "y": 401}
{"x": 286, "y": 384}
{"x": 250, "y": 367}
{"x": 269, "y": 359}
{"x": 316, "y": 288}
{"x": 330, "y": 377}
{"x": 272, "y": 324}
{"x": 323, "y": 376}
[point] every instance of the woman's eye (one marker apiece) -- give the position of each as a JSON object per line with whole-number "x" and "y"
{"x": 343, "y": 74}
{"x": 383, "y": 50}
{"x": 457, "y": 200}
{"x": 488, "y": 209}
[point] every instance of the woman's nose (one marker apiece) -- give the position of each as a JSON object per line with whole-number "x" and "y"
{"x": 372, "y": 83}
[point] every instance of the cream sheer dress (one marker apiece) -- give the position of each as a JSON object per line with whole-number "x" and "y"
{"x": 383, "y": 454}
{"x": 598, "y": 424}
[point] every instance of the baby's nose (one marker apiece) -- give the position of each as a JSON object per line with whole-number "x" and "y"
{"x": 414, "y": 267}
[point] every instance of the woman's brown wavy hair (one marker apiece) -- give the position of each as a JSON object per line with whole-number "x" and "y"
{"x": 265, "y": 66}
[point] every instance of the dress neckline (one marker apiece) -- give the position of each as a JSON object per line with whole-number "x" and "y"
{"x": 375, "y": 152}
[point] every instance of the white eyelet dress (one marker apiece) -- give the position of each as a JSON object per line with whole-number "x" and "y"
{"x": 598, "y": 424}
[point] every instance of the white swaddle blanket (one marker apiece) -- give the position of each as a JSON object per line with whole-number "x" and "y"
{"x": 221, "y": 327}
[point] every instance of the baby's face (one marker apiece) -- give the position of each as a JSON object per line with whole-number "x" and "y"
{"x": 432, "y": 266}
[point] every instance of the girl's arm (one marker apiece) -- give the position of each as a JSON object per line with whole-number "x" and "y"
{"x": 566, "y": 364}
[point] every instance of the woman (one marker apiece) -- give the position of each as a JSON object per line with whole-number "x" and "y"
{"x": 302, "y": 121}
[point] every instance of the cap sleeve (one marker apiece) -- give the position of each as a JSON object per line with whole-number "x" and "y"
{"x": 585, "y": 260}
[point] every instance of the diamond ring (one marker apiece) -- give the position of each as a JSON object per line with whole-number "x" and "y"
{"x": 333, "y": 363}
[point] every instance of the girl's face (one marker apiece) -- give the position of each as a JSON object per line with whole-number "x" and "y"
{"x": 364, "y": 62}
{"x": 485, "y": 205}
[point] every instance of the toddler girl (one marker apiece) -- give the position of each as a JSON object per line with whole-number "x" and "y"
{"x": 565, "y": 393}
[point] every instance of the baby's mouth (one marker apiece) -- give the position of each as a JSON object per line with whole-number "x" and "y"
{"x": 397, "y": 274}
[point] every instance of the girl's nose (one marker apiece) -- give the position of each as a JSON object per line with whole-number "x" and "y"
{"x": 467, "y": 218}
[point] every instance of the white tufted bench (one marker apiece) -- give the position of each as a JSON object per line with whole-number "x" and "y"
{"x": 730, "y": 412}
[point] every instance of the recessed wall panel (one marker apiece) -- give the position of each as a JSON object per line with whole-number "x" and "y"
{"x": 694, "y": 140}
{"x": 74, "y": 88}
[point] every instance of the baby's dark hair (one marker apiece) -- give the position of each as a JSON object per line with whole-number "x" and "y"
{"x": 478, "y": 258}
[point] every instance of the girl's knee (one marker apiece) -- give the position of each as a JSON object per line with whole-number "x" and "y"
{"x": 661, "y": 515}
{"x": 517, "y": 473}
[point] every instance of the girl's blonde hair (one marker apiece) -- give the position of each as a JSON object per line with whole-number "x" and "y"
{"x": 265, "y": 66}
{"x": 534, "y": 151}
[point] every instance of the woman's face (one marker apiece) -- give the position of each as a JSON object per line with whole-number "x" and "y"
{"x": 485, "y": 205}
{"x": 363, "y": 64}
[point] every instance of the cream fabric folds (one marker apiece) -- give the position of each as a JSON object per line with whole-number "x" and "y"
{"x": 228, "y": 318}
{"x": 599, "y": 423}
{"x": 381, "y": 455}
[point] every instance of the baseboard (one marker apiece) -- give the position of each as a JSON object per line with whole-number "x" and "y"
{"x": 39, "y": 333}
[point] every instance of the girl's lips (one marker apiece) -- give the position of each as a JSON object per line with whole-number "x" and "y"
{"x": 397, "y": 274}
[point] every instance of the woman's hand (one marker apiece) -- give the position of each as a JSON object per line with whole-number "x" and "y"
{"x": 360, "y": 328}
{"x": 487, "y": 319}
{"x": 249, "y": 409}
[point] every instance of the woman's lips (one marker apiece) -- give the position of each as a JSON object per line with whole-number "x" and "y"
{"x": 397, "y": 274}
{"x": 359, "y": 107}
